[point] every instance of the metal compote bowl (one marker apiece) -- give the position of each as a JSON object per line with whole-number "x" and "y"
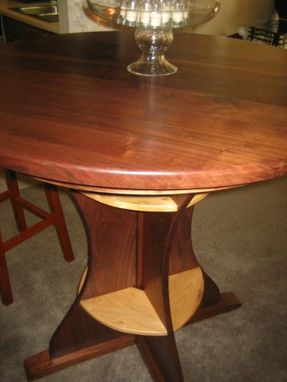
{"x": 154, "y": 21}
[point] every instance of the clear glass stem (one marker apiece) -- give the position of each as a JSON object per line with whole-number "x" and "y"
{"x": 153, "y": 43}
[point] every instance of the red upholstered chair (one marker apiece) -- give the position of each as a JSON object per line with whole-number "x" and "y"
{"x": 54, "y": 217}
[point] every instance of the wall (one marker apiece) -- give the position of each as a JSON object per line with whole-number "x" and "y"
{"x": 235, "y": 14}
{"x": 73, "y": 18}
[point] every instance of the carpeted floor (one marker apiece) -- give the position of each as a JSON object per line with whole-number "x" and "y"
{"x": 240, "y": 237}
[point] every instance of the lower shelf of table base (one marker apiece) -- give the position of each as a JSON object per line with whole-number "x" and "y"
{"x": 42, "y": 364}
{"x": 130, "y": 310}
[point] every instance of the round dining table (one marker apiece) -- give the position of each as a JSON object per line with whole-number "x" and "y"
{"x": 137, "y": 153}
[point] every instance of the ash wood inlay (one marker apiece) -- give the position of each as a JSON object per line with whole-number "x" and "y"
{"x": 130, "y": 311}
{"x": 164, "y": 203}
{"x": 183, "y": 287}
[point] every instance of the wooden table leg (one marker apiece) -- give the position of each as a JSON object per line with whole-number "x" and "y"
{"x": 147, "y": 258}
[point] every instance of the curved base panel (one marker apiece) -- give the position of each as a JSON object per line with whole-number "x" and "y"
{"x": 143, "y": 278}
{"x": 42, "y": 364}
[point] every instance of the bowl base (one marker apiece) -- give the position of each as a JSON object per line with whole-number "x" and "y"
{"x": 152, "y": 68}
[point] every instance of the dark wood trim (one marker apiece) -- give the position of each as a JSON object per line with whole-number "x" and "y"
{"x": 227, "y": 302}
{"x": 42, "y": 364}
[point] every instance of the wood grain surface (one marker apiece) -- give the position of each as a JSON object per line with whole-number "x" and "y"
{"x": 70, "y": 112}
{"x": 159, "y": 203}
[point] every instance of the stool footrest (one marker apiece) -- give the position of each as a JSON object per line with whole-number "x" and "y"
{"x": 28, "y": 233}
{"x": 53, "y": 217}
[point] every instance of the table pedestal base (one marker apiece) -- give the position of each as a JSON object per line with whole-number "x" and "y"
{"x": 142, "y": 252}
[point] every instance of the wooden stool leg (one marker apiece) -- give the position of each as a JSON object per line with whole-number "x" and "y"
{"x": 13, "y": 188}
{"x": 5, "y": 286}
{"x": 60, "y": 225}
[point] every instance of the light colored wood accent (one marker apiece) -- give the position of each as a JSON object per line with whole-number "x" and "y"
{"x": 185, "y": 295}
{"x": 119, "y": 191}
{"x": 82, "y": 280}
{"x": 163, "y": 203}
{"x": 127, "y": 310}
{"x": 130, "y": 311}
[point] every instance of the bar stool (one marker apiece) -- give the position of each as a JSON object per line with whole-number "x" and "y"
{"x": 55, "y": 217}
{"x": 275, "y": 31}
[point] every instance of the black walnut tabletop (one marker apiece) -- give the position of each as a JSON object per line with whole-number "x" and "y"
{"x": 70, "y": 112}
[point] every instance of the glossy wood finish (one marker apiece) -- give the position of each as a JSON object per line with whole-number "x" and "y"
{"x": 54, "y": 217}
{"x": 220, "y": 121}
